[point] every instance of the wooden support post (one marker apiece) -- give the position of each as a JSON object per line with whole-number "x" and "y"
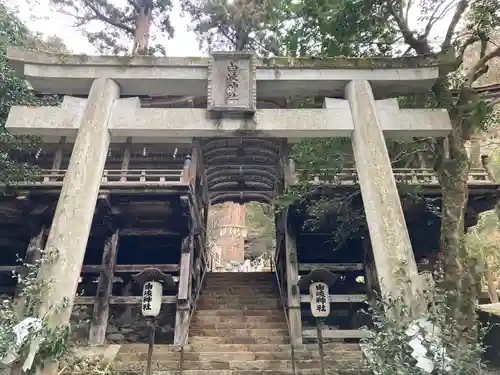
{"x": 290, "y": 172}
{"x": 371, "y": 280}
{"x": 186, "y": 170}
{"x": 195, "y": 164}
{"x": 58, "y": 157}
{"x": 184, "y": 293}
{"x": 97, "y": 334}
{"x": 292, "y": 281}
{"x": 126, "y": 160}
{"x": 33, "y": 255}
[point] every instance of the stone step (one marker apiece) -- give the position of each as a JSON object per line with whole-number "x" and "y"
{"x": 257, "y": 283}
{"x": 344, "y": 355}
{"x": 247, "y": 297}
{"x": 239, "y": 312}
{"x": 258, "y": 332}
{"x": 210, "y": 324}
{"x": 331, "y": 371}
{"x": 224, "y": 296}
{"x": 235, "y": 288}
{"x": 239, "y": 318}
{"x": 243, "y": 275}
{"x": 235, "y": 305}
{"x": 249, "y": 284}
{"x": 248, "y": 340}
{"x": 231, "y": 348}
{"x": 140, "y": 366}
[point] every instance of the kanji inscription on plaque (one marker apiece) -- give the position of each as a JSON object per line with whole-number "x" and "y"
{"x": 231, "y": 83}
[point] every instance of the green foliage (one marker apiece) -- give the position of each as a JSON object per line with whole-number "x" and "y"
{"x": 54, "y": 340}
{"x": 234, "y": 25}
{"x": 482, "y": 242}
{"x": 116, "y": 22}
{"x": 388, "y": 343}
{"x": 13, "y": 91}
{"x": 333, "y": 28}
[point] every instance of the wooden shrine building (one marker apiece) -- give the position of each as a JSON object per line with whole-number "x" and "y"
{"x": 139, "y": 149}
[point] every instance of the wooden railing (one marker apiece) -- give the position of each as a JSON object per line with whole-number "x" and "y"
{"x": 116, "y": 177}
{"x": 413, "y": 176}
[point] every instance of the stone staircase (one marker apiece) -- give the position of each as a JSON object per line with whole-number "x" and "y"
{"x": 239, "y": 328}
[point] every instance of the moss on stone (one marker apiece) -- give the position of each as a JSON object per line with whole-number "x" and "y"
{"x": 273, "y": 63}
{"x": 355, "y": 63}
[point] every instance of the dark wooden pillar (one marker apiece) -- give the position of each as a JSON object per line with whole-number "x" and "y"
{"x": 185, "y": 291}
{"x": 97, "y": 334}
{"x": 292, "y": 283}
{"x": 371, "y": 279}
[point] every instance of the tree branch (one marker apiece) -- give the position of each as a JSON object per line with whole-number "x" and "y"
{"x": 471, "y": 76}
{"x": 419, "y": 45}
{"x": 104, "y": 18}
{"x": 134, "y": 5}
{"x": 461, "y": 8}
{"x": 433, "y": 18}
{"x": 468, "y": 42}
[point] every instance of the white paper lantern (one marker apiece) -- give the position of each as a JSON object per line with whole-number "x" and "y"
{"x": 151, "y": 298}
{"x": 320, "y": 303}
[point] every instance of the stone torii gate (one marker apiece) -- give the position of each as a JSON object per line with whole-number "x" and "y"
{"x": 233, "y": 84}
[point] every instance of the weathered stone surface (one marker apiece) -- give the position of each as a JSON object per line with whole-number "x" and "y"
{"x": 73, "y": 216}
{"x": 392, "y": 249}
{"x": 188, "y": 76}
{"x": 128, "y": 119}
{"x": 232, "y": 83}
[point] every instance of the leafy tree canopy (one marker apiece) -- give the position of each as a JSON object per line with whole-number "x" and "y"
{"x": 14, "y": 91}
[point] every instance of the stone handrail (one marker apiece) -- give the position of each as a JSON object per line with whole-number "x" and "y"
{"x": 413, "y": 176}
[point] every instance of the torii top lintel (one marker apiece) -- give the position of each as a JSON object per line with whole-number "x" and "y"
{"x": 191, "y": 76}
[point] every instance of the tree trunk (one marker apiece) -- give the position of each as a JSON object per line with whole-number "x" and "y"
{"x": 460, "y": 270}
{"x": 453, "y": 179}
{"x": 143, "y": 27}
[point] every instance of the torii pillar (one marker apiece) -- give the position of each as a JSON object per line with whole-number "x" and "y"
{"x": 72, "y": 221}
{"x": 392, "y": 249}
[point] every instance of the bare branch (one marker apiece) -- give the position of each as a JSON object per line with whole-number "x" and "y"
{"x": 421, "y": 46}
{"x": 435, "y": 17}
{"x": 459, "y": 12}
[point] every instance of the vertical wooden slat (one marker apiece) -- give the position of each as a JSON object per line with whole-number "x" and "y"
{"x": 292, "y": 280}
{"x": 126, "y": 160}
{"x": 372, "y": 287}
{"x": 58, "y": 157}
{"x": 97, "y": 334}
{"x": 184, "y": 292}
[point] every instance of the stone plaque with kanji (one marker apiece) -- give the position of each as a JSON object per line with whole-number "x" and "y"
{"x": 231, "y": 83}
